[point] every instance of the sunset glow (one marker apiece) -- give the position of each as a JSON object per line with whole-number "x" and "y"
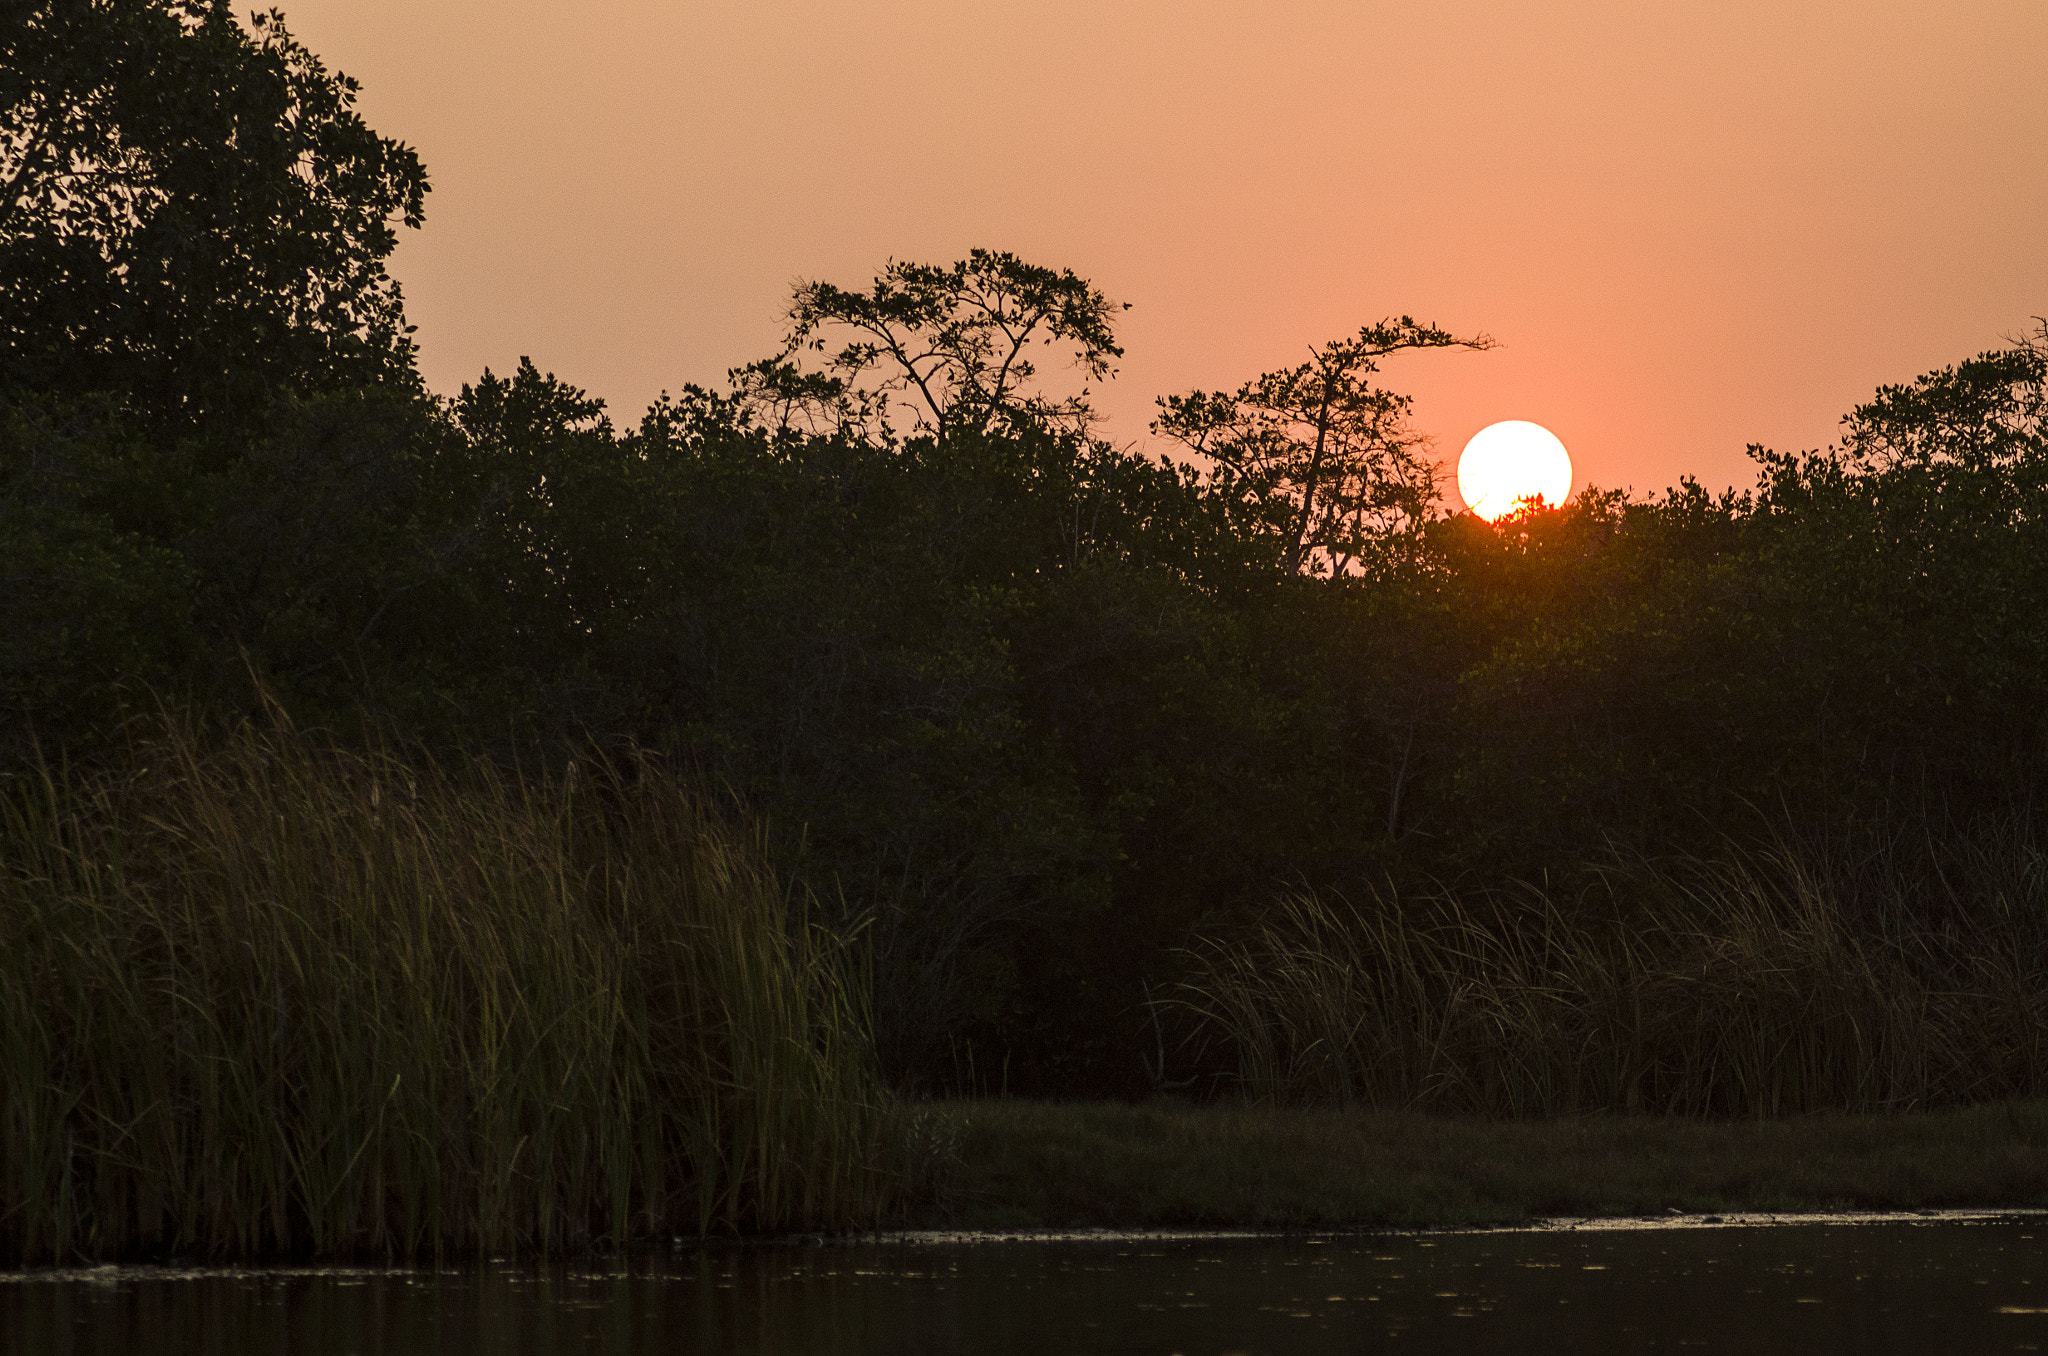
{"x": 723, "y": 589}
{"x": 1510, "y": 462}
{"x": 1691, "y": 228}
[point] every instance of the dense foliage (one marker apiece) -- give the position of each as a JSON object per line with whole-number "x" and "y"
{"x": 1023, "y": 708}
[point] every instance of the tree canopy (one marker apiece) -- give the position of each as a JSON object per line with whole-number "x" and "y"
{"x": 1319, "y": 456}
{"x": 194, "y": 218}
{"x": 954, "y": 343}
{"x": 1020, "y": 708}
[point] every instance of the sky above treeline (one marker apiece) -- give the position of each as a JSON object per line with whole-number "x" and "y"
{"x": 1691, "y": 226}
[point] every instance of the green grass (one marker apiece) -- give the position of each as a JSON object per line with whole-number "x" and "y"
{"x": 260, "y": 997}
{"x": 1048, "y": 1165}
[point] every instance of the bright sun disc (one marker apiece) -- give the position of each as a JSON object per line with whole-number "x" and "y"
{"x": 1508, "y": 462}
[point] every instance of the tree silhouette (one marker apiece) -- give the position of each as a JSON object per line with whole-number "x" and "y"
{"x": 955, "y": 341}
{"x": 1324, "y": 458}
{"x": 192, "y": 214}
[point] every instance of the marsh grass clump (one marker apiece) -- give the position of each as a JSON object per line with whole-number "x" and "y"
{"x": 266, "y": 997}
{"x": 1765, "y": 982}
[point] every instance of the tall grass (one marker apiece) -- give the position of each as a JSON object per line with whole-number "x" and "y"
{"x": 262, "y": 997}
{"x": 1770, "y": 981}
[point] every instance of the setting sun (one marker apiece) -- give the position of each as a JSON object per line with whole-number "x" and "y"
{"x": 1047, "y": 725}
{"x": 1509, "y": 462}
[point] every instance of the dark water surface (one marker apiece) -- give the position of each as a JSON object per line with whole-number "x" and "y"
{"x": 1894, "y": 1286}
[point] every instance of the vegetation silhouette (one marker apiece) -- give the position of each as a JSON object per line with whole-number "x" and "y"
{"x": 195, "y": 218}
{"x": 1329, "y": 458}
{"x": 1047, "y": 728}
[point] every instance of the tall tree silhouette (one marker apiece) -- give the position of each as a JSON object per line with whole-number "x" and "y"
{"x": 1326, "y": 459}
{"x": 955, "y": 343}
{"x": 192, "y": 213}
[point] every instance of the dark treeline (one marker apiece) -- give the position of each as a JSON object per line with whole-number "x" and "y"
{"x": 1025, "y": 710}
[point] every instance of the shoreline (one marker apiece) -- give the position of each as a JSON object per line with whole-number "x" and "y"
{"x": 1012, "y": 1167}
{"x": 636, "y": 1261}
{"x": 994, "y": 1171}
{"x": 1566, "y": 1224}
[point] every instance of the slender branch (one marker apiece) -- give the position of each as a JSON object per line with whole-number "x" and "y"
{"x": 1017, "y": 343}
{"x": 1315, "y": 469}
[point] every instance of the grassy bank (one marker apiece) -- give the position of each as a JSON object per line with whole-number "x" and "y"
{"x": 1779, "y": 981}
{"x": 1025, "y": 1164}
{"x": 259, "y": 997}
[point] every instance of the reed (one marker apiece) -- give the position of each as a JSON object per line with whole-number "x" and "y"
{"x": 1765, "y": 982}
{"x": 261, "y": 997}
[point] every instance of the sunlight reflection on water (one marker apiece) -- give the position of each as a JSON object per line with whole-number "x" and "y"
{"x": 1895, "y": 1285}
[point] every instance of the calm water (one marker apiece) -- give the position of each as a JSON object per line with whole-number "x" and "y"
{"x": 1925, "y": 1286}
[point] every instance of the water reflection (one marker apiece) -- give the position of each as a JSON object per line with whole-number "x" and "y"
{"x": 1877, "y": 1287}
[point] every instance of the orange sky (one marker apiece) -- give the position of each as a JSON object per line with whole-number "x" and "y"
{"x": 1692, "y": 226}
